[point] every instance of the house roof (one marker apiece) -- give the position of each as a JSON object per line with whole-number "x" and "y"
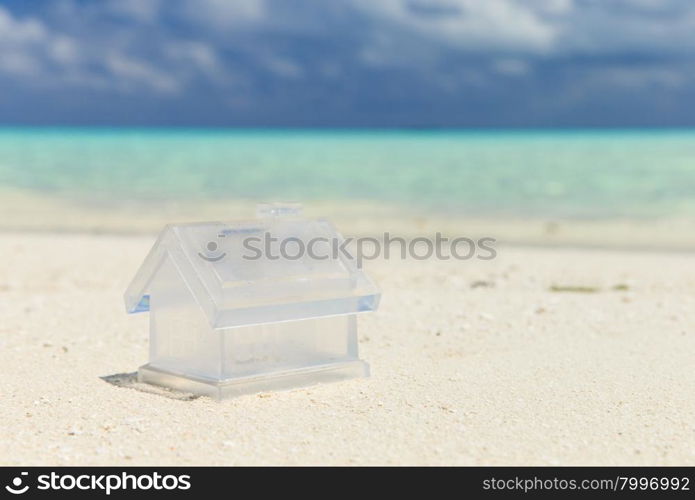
{"x": 251, "y": 272}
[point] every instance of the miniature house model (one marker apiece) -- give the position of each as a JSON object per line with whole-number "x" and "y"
{"x": 251, "y": 306}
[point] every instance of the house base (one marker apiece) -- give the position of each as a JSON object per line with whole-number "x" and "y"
{"x": 276, "y": 381}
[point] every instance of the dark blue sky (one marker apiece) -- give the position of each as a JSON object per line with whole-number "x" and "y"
{"x": 349, "y": 63}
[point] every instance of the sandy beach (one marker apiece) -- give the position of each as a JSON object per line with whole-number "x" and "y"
{"x": 541, "y": 356}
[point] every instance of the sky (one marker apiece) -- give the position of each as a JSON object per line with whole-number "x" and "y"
{"x": 348, "y": 63}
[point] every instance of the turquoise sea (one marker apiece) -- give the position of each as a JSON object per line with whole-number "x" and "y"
{"x": 573, "y": 173}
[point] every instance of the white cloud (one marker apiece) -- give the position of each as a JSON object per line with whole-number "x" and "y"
{"x": 640, "y": 77}
{"x": 131, "y": 72}
{"x": 191, "y": 58}
{"x": 28, "y": 48}
{"x": 196, "y": 53}
{"x": 132, "y": 45}
{"x": 30, "y": 51}
{"x": 284, "y": 67}
{"x": 19, "y": 40}
{"x": 541, "y": 28}
{"x": 64, "y": 50}
{"x": 470, "y": 25}
{"x": 139, "y": 10}
{"x": 511, "y": 67}
{"x": 600, "y": 30}
{"x": 223, "y": 14}
{"x": 19, "y": 64}
{"x": 17, "y": 32}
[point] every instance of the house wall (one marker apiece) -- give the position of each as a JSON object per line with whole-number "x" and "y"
{"x": 181, "y": 339}
{"x": 273, "y": 347}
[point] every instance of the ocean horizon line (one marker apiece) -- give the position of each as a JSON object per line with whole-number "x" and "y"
{"x": 5, "y": 127}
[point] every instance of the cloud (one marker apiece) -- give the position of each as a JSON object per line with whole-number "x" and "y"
{"x": 619, "y": 26}
{"x": 144, "y": 11}
{"x": 649, "y": 77}
{"x": 398, "y": 33}
{"x": 194, "y": 53}
{"x": 129, "y": 71}
{"x": 224, "y": 14}
{"x": 31, "y": 51}
{"x": 63, "y": 50}
{"x": 14, "y": 31}
{"x": 284, "y": 67}
{"x": 19, "y": 41}
{"x": 511, "y": 67}
{"x": 351, "y": 53}
{"x": 470, "y": 25}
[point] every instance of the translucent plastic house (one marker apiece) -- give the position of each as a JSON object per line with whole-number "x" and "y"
{"x": 251, "y": 306}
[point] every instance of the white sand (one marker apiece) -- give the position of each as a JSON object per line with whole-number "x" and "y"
{"x": 510, "y": 373}
{"x": 28, "y": 211}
